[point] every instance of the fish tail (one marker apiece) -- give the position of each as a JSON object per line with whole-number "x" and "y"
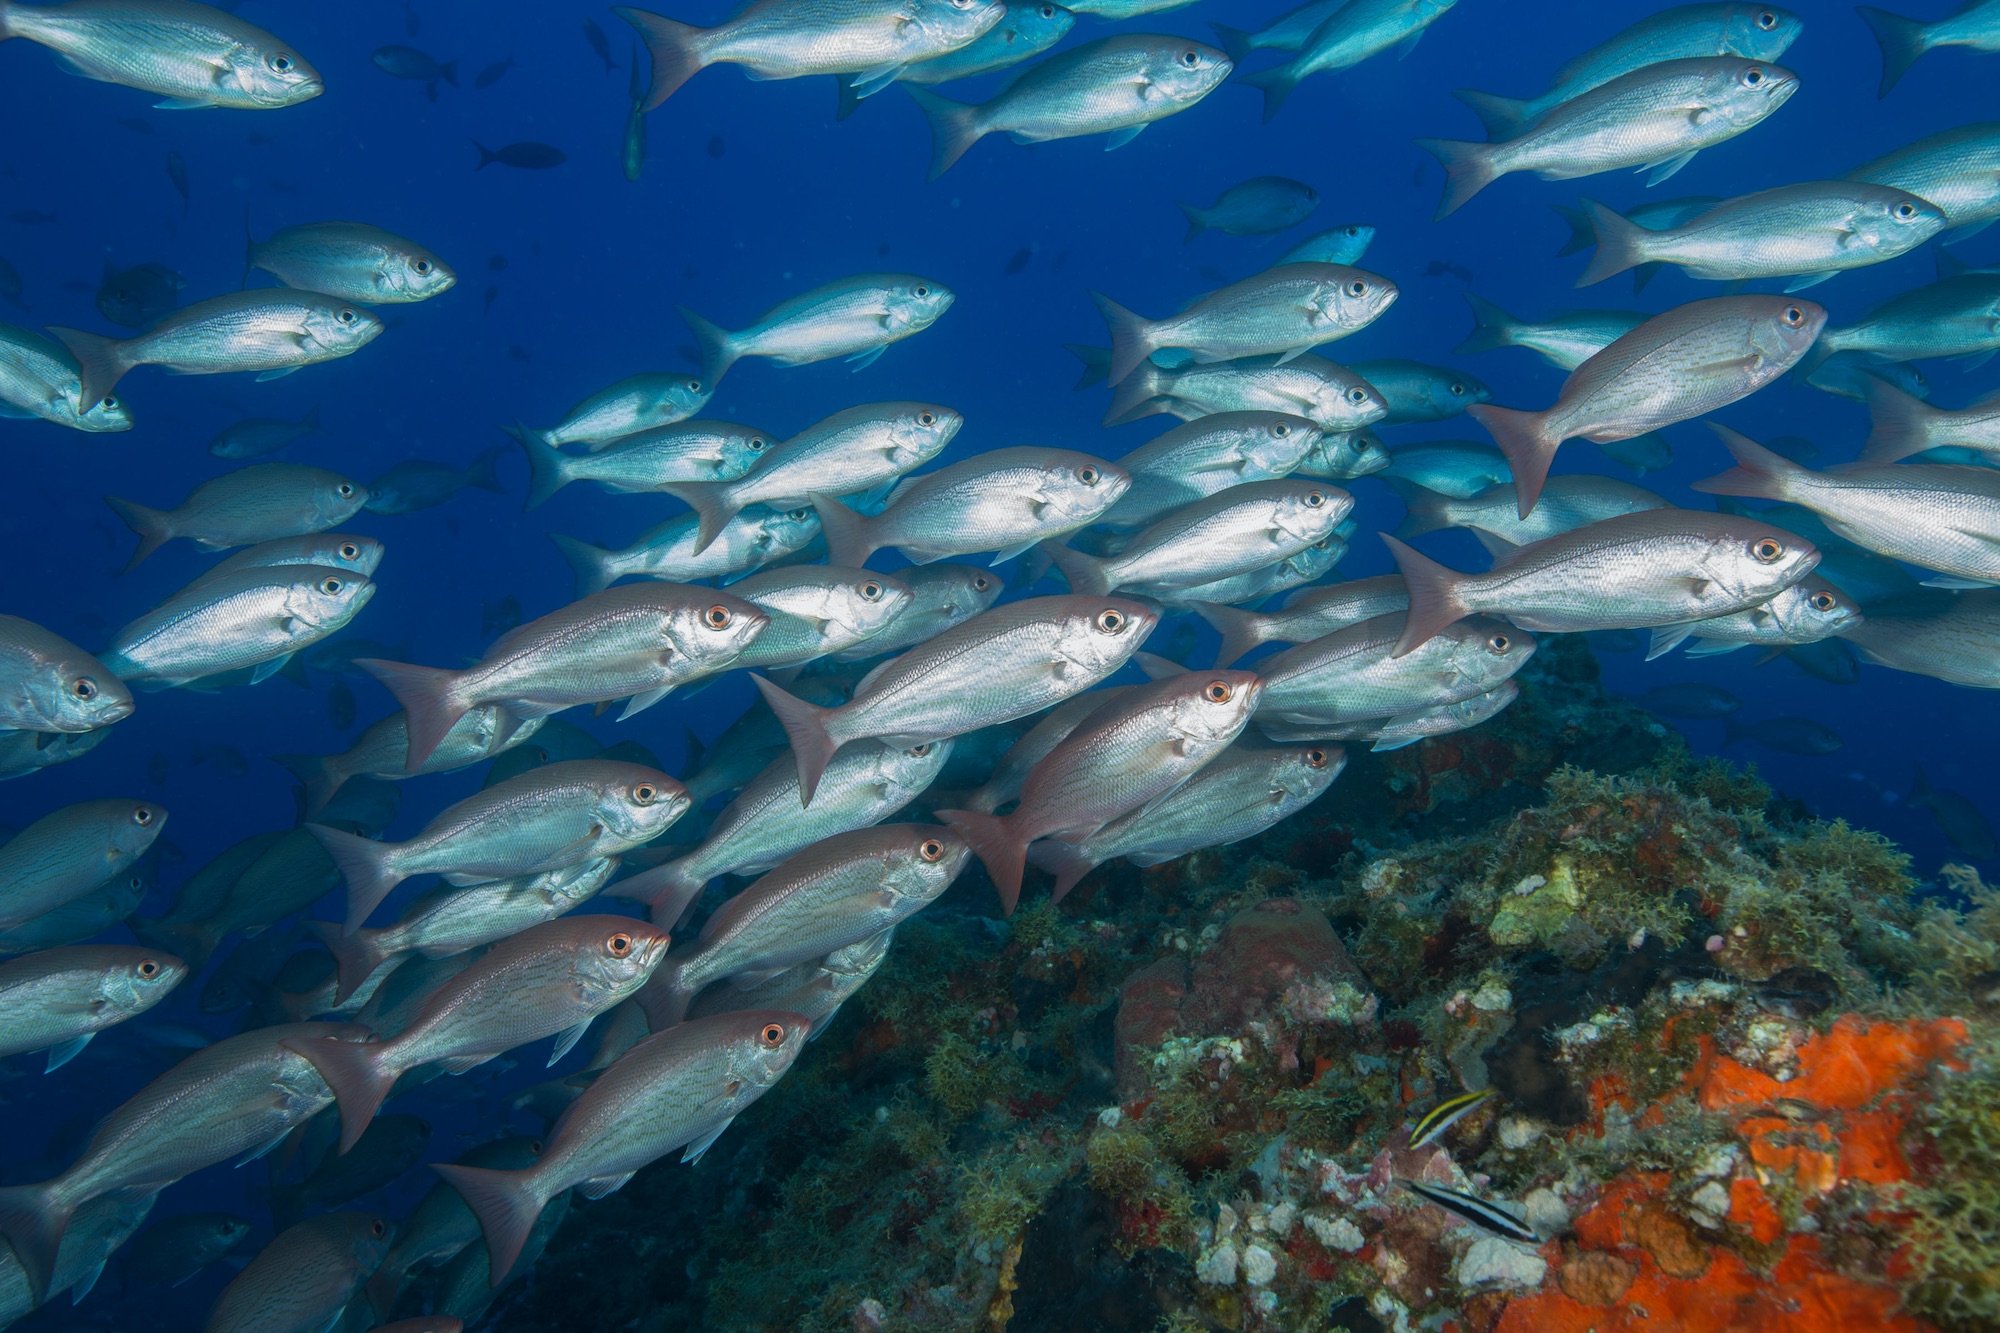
{"x": 1644, "y": 274}
{"x": 506, "y": 1204}
{"x": 1902, "y": 41}
{"x": 1131, "y": 339}
{"x": 356, "y": 957}
{"x": 1581, "y": 234}
{"x": 1524, "y": 438}
{"x": 712, "y": 505}
{"x": 1899, "y": 422}
{"x": 846, "y": 99}
{"x": 805, "y": 724}
{"x": 484, "y": 471}
{"x": 317, "y": 775}
{"x": 1241, "y": 631}
{"x": 666, "y": 889}
{"x": 1197, "y": 224}
{"x": 850, "y": 538}
{"x": 1621, "y": 243}
{"x": 1435, "y": 603}
{"x": 1492, "y": 327}
{"x": 1132, "y": 397}
{"x": 1235, "y": 43}
{"x": 664, "y": 998}
{"x": 955, "y": 127}
{"x": 1502, "y": 116}
{"x": 998, "y": 848}
{"x": 1426, "y": 510}
{"x": 676, "y": 53}
{"x": 591, "y": 563}
{"x": 1066, "y": 862}
{"x": 718, "y": 351}
{"x": 154, "y": 527}
{"x": 366, "y": 866}
{"x": 429, "y": 696}
{"x": 1086, "y": 573}
{"x": 358, "y": 1080}
{"x": 548, "y": 466}
{"x": 1096, "y": 363}
{"x": 487, "y": 157}
{"x": 1468, "y": 169}
{"x": 100, "y": 363}
{"x": 1158, "y": 666}
{"x": 32, "y": 1221}
{"x": 1759, "y": 473}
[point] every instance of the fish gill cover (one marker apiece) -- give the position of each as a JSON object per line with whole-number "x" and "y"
{"x": 581, "y": 697}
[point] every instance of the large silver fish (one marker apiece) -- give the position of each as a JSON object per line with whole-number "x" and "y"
{"x": 1311, "y": 613}
{"x": 1635, "y": 571}
{"x": 1003, "y": 501}
{"x": 48, "y": 684}
{"x": 191, "y": 55}
{"x": 1565, "y": 341}
{"x": 648, "y": 460}
{"x": 1957, "y": 316}
{"x": 550, "y": 979}
{"x": 1330, "y": 396}
{"x": 1234, "y": 531}
{"x": 273, "y": 332}
{"x": 1357, "y": 675}
{"x": 1029, "y": 28}
{"x": 1658, "y": 116}
{"x": 58, "y": 999}
{"x": 1689, "y": 361}
{"x": 634, "y": 404}
{"x": 676, "y": 1089}
{"x": 635, "y": 643}
{"x": 1493, "y": 515}
{"x": 258, "y": 503}
{"x": 251, "y": 619}
{"x": 1281, "y": 312}
{"x": 1958, "y": 642}
{"x": 305, "y": 1277}
{"x": 941, "y": 597}
{"x": 1806, "y": 612}
{"x": 1209, "y": 454}
{"x": 854, "y": 318}
{"x": 352, "y": 261}
{"x": 795, "y": 39}
{"x": 748, "y": 541}
{"x": 343, "y": 551}
{"x": 39, "y": 378}
{"x": 1115, "y": 85}
{"x": 558, "y": 815}
{"x": 1956, "y": 169}
{"x": 817, "y": 610}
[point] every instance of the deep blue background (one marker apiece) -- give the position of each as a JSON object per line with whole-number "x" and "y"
{"x": 753, "y": 192}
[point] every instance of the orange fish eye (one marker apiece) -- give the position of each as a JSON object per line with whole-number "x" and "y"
{"x": 1794, "y": 316}
{"x": 349, "y": 551}
{"x": 1088, "y": 475}
{"x": 1767, "y": 550}
{"x": 331, "y": 586}
{"x": 619, "y": 945}
{"x": 1218, "y": 692}
{"x": 1314, "y": 499}
{"x": 148, "y": 969}
{"x": 932, "y": 850}
{"x": 1821, "y": 601}
{"x": 919, "y": 751}
{"x": 645, "y": 794}
{"x": 717, "y": 617}
{"x": 871, "y": 591}
{"x": 1315, "y": 758}
{"x": 771, "y": 1036}
{"x": 1110, "y": 620}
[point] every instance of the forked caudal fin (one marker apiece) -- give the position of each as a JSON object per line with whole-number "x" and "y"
{"x": 33, "y": 1223}
{"x": 805, "y": 724}
{"x": 100, "y": 360}
{"x": 1435, "y": 604}
{"x": 1902, "y": 41}
{"x": 1003, "y": 854}
{"x": 1524, "y": 439}
{"x": 954, "y": 127}
{"x": 358, "y": 1079}
{"x": 1131, "y": 340}
{"x": 712, "y": 504}
{"x": 1468, "y": 169}
{"x": 506, "y": 1204}
{"x": 1759, "y": 473}
{"x": 365, "y": 865}
{"x": 1086, "y": 573}
{"x": 1502, "y": 117}
{"x": 1242, "y": 631}
{"x": 431, "y": 705}
{"x": 590, "y": 564}
{"x": 850, "y": 536}
{"x": 1898, "y": 422}
{"x": 717, "y": 347}
{"x": 675, "y": 50}
{"x": 154, "y": 527}
{"x": 356, "y": 957}
{"x": 548, "y": 466}
{"x": 1621, "y": 244}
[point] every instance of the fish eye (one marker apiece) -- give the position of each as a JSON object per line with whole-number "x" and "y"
{"x": 345, "y": 490}
{"x": 422, "y": 266}
{"x": 1315, "y": 499}
{"x": 717, "y": 617}
{"x": 922, "y": 290}
{"x": 1315, "y": 758}
{"x": 1190, "y": 58}
{"x": 1767, "y": 549}
{"x": 83, "y": 687}
{"x": 771, "y": 1036}
{"x": 1767, "y": 20}
{"x": 148, "y": 969}
{"x": 378, "y": 1228}
{"x": 927, "y": 418}
{"x": 1281, "y": 430}
{"x": 1357, "y": 288}
{"x": 798, "y": 515}
{"x": 1357, "y": 395}
{"x": 1353, "y": 232}
{"x": 1794, "y": 316}
{"x": 757, "y": 443}
{"x": 108, "y": 403}
{"x": 645, "y": 794}
{"x": 346, "y": 316}
{"x": 931, "y": 850}
{"x": 1088, "y": 475}
{"x": 619, "y": 945}
{"x": 331, "y": 586}
{"x": 1753, "y": 78}
{"x": 871, "y": 591}
{"x": 1048, "y": 11}
{"x": 349, "y": 551}
{"x": 136, "y": 882}
{"x": 1457, "y": 389}
{"x": 694, "y": 386}
{"x": 280, "y": 63}
{"x": 1821, "y": 601}
{"x": 1110, "y": 620}
{"x": 1906, "y": 210}
{"x": 980, "y": 583}
{"x": 919, "y": 751}
{"x": 1499, "y": 643}
{"x": 143, "y": 816}
{"x": 1218, "y": 691}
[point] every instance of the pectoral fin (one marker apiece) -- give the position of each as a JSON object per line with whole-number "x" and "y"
{"x": 1659, "y": 171}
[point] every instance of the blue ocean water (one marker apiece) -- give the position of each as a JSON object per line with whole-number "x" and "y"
{"x": 752, "y": 192}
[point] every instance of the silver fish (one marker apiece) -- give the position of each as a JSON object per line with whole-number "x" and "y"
{"x": 550, "y": 979}
{"x": 849, "y": 452}
{"x": 1658, "y": 117}
{"x": 305, "y": 1277}
{"x": 1976, "y": 26}
{"x": 39, "y": 378}
{"x": 1806, "y": 612}
{"x": 1115, "y": 85}
{"x": 273, "y": 332}
{"x": 1348, "y": 36}
{"x": 1940, "y": 516}
{"x": 671, "y": 550}
{"x": 812, "y": 990}
{"x": 258, "y": 503}
{"x": 942, "y": 597}
{"x": 1904, "y": 425}
{"x": 559, "y": 815}
{"x": 1029, "y": 28}
{"x": 676, "y": 1089}
{"x": 1957, "y": 642}
{"x": 1243, "y": 792}
{"x": 1443, "y": 720}
{"x": 1417, "y": 392}
{"x": 837, "y": 893}
{"x": 1288, "y": 32}
{"x": 1312, "y": 613}
{"x": 1295, "y": 570}
{"x": 254, "y": 437}
{"x": 1752, "y": 31}
{"x": 383, "y": 751}
{"x": 795, "y": 39}
{"x": 48, "y": 684}
{"x": 1565, "y": 341}
{"x": 251, "y": 619}
{"x": 1338, "y": 245}
{"x": 816, "y": 610}
{"x": 1281, "y": 312}
{"x": 1254, "y": 207}
{"x": 1206, "y": 455}
{"x": 1956, "y": 169}
{"x": 1357, "y": 675}
{"x": 854, "y": 318}
{"x": 634, "y": 404}
{"x": 352, "y": 261}
{"x": 635, "y": 643}
{"x": 1330, "y": 396}
{"x": 1954, "y": 317}
{"x": 1003, "y": 500}
{"x": 648, "y": 460}
{"x": 1457, "y": 468}
{"x": 1682, "y": 364}
{"x": 1493, "y": 515}
{"x": 1344, "y": 457}
{"x": 1634, "y": 571}
{"x": 191, "y": 55}
{"x": 1134, "y": 749}
{"x": 1003, "y": 785}
{"x": 58, "y": 999}
{"x": 1231, "y": 532}
{"x": 1000, "y": 665}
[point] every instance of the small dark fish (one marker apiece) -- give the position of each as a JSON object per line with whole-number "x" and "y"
{"x": 341, "y": 705}
{"x": 1480, "y": 1212}
{"x": 600, "y": 44}
{"x": 135, "y": 124}
{"x": 1957, "y": 818}
{"x": 1446, "y": 1114}
{"x": 169, "y": 1253}
{"x": 136, "y": 297}
{"x": 31, "y": 217}
{"x": 1019, "y": 263}
{"x": 497, "y": 264}
{"x": 1789, "y": 735}
{"x": 529, "y": 156}
{"x": 493, "y": 73}
{"x": 716, "y": 147}
{"x": 177, "y": 172}
{"x": 1689, "y": 699}
{"x": 406, "y": 62}
{"x": 499, "y": 617}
